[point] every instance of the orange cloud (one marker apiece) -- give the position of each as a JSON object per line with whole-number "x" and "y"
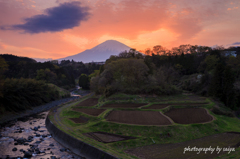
{"x": 137, "y": 23}
{"x": 232, "y": 8}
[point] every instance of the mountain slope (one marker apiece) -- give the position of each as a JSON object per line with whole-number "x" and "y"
{"x": 100, "y": 52}
{"x": 14, "y": 58}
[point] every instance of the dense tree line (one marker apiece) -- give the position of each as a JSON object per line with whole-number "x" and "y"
{"x": 130, "y": 73}
{"x": 62, "y": 74}
{"x": 24, "y": 83}
{"x": 22, "y": 94}
{"x": 201, "y": 69}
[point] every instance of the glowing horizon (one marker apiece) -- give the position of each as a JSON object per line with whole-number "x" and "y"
{"x": 60, "y": 28}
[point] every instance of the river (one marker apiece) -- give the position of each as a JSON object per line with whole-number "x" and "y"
{"x": 28, "y": 137}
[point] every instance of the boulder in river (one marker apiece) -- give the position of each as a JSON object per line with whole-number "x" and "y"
{"x": 14, "y": 149}
{"x": 63, "y": 149}
{"x": 35, "y": 129}
{"x": 27, "y": 154}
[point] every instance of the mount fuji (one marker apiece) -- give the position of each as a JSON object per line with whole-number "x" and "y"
{"x": 100, "y": 52}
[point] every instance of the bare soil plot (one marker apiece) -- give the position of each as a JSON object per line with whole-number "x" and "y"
{"x": 125, "y": 105}
{"x": 90, "y": 111}
{"x": 189, "y": 115}
{"x": 81, "y": 119}
{"x": 89, "y": 102}
{"x": 163, "y": 151}
{"x": 107, "y": 137}
{"x": 138, "y": 117}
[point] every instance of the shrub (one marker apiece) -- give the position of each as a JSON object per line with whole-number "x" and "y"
{"x": 218, "y": 111}
{"x": 84, "y": 81}
{"x": 132, "y": 76}
{"x": 22, "y": 94}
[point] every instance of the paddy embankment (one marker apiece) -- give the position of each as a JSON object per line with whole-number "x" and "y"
{"x": 140, "y": 126}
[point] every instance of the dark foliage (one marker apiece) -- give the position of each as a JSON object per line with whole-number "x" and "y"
{"x": 13, "y": 58}
{"x": 130, "y": 73}
{"x": 63, "y": 74}
{"x": 84, "y": 81}
{"x": 200, "y": 69}
{"x": 22, "y": 94}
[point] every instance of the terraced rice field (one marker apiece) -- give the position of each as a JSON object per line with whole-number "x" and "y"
{"x": 156, "y": 106}
{"x": 81, "y": 119}
{"x": 189, "y": 115}
{"x": 107, "y": 137}
{"x": 138, "y": 117}
{"x": 88, "y": 102}
{"x": 161, "y": 106}
{"x": 127, "y": 105}
{"x": 90, "y": 111}
{"x": 125, "y": 125}
{"x": 176, "y": 150}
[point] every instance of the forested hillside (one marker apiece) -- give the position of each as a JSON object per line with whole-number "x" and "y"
{"x": 62, "y": 75}
{"x": 24, "y": 83}
{"x": 200, "y": 69}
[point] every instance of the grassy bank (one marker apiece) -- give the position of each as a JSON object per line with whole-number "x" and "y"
{"x": 24, "y": 94}
{"x": 146, "y": 135}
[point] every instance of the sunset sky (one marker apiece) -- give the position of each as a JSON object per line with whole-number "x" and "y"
{"x": 59, "y": 28}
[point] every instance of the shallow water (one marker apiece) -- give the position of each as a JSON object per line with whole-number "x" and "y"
{"x": 22, "y": 136}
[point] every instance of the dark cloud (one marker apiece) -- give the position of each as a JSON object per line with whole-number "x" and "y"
{"x": 65, "y": 16}
{"x": 236, "y": 43}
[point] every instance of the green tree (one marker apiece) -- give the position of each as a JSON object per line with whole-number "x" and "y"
{"x": 84, "y": 81}
{"x": 46, "y": 75}
{"x": 22, "y": 94}
{"x": 94, "y": 74}
{"x": 228, "y": 88}
{"x": 101, "y": 69}
{"x": 221, "y": 85}
{"x": 129, "y": 72}
{"x": 211, "y": 61}
{"x": 159, "y": 50}
{"x": 3, "y": 68}
{"x": 216, "y": 85}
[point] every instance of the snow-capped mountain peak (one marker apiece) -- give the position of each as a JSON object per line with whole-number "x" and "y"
{"x": 100, "y": 52}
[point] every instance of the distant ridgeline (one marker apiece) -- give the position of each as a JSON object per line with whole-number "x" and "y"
{"x": 13, "y": 58}
{"x": 63, "y": 74}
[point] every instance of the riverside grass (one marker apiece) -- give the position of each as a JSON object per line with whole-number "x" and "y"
{"x": 145, "y": 135}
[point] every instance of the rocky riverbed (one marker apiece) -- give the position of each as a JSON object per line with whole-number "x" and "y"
{"x": 29, "y": 138}
{"x": 25, "y": 135}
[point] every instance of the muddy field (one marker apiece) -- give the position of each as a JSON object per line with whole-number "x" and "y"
{"x": 88, "y": 102}
{"x": 138, "y": 117}
{"x": 89, "y": 111}
{"x": 163, "y": 151}
{"x": 107, "y": 137}
{"x": 127, "y": 105}
{"x": 81, "y": 119}
{"x": 189, "y": 115}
